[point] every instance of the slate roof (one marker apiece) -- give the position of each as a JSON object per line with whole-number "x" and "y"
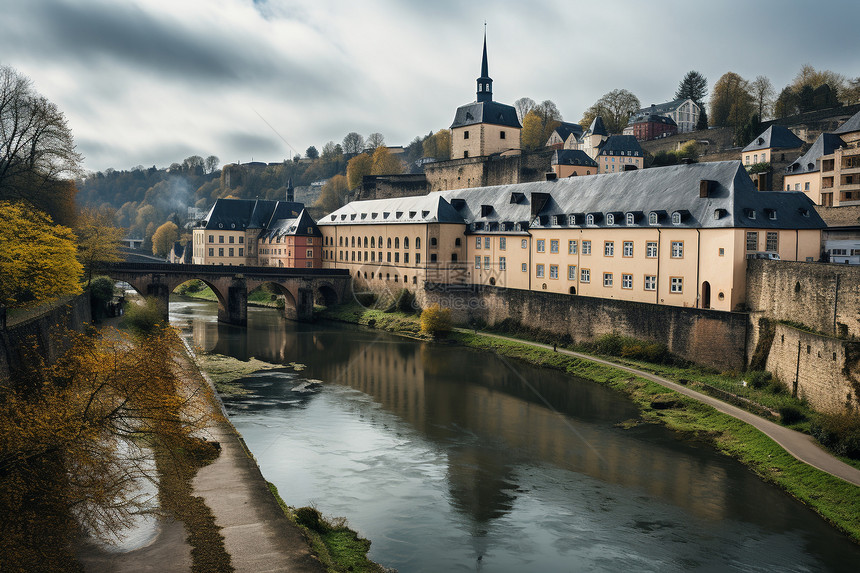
{"x": 662, "y": 108}
{"x": 853, "y": 124}
{"x": 774, "y": 137}
{"x": 810, "y": 161}
{"x": 596, "y": 127}
{"x": 240, "y": 214}
{"x": 420, "y": 209}
{"x": 491, "y": 112}
{"x": 572, "y": 157}
{"x": 293, "y": 226}
{"x": 733, "y": 202}
{"x": 565, "y": 129}
{"x": 653, "y": 118}
{"x": 620, "y": 145}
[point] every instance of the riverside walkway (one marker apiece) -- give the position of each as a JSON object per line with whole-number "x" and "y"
{"x": 801, "y": 446}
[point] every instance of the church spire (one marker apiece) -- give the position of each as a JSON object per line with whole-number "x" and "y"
{"x": 485, "y": 83}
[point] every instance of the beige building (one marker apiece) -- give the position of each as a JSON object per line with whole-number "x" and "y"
{"x": 484, "y": 127}
{"x": 677, "y": 235}
{"x": 612, "y": 153}
{"x": 776, "y": 139}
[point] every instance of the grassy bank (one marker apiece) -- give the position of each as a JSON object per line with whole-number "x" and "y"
{"x": 834, "y": 499}
{"x": 259, "y": 297}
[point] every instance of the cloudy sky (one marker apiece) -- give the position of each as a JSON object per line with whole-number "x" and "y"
{"x": 153, "y": 81}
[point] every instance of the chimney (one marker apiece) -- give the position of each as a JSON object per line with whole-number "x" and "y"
{"x": 551, "y": 176}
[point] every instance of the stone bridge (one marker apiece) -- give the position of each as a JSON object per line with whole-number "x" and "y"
{"x": 231, "y": 284}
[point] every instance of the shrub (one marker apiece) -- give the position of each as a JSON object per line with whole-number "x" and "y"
{"x": 144, "y": 318}
{"x": 838, "y": 432}
{"x": 758, "y": 378}
{"x": 791, "y": 414}
{"x": 435, "y": 320}
{"x": 406, "y": 301}
{"x": 311, "y": 518}
{"x": 101, "y": 289}
{"x": 628, "y": 347}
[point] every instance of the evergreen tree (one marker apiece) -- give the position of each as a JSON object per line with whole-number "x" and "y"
{"x": 694, "y": 86}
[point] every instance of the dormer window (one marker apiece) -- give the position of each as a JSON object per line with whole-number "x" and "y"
{"x": 610, "y": 219}
{"x": 751, "y": 213}
{"x": 652, "y": 218}
{"x": 676, "y": 218}
{"x": 631, "y": 220}
{"x": 571, "y": 219}
{"x": 771, "y": 214}
{"x": 589, "y": 219}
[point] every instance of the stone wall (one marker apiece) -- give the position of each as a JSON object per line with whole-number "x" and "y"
{"x": 823, "y": 297}
{"x": 46, "y": 334}
{"x": 388, "y": 186}
{"x": 823, "y": 370}
{"x": 706, "y": 337}
{"x": 484, "y": 171}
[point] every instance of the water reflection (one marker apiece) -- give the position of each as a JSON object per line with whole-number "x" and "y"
{"x": 441, "y": 455}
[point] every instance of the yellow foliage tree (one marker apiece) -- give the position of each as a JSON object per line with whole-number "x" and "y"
{"x": 357, "y": 168}
{"x": 37, "y": 258}
{"x": 98, "y": 239}
{"x": 163, "y": 238}
{"x": 77, "y": 438}
{"x": 332, "y": 194}
{"x": 532, "y": 134}
{"x": 435, "y": 320}
{"x": 385, "y": 163}
{"x": 438, "y": 145}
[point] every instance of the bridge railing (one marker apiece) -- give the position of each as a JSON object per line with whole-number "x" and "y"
{"x": 220, "y": 270}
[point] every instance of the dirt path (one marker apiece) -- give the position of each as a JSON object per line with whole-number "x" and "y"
{"x": 798, "y": 444}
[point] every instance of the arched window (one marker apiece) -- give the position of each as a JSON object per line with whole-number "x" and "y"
{"x": 396, "y": 242}
{"x": 365, "y": 242}
{"x": 630, "y": 219}
{"x": 433, "y": 241}
{"x": 353, "y": 241}
{"x": 676, "y": 218}
{"x": 340, "y": 241}
{"x": 372, "y": 243}
{"x": 405, "y": 242}
{"x": 610, "y": 219}
{"x": 389, "y": 242}
{"x": 652, "y": 218}
{"x": 417, "y": 242}
{"x": 589, "y": 219}
{"x": 379, "y": 242}
{"x": 571, "y": 219}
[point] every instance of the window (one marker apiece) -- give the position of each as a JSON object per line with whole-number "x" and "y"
{"x": 553, "y": 246}
{"x": 752, "y": 240}
{"x": 486, "y": 263}
{"x": 589, "y": 219}
{"x": 586, "y": 247}
{"x": 221, "y": 251}
{"x": 478, "y": 242}
{"x": 721, "y": 251}
{"x": 230, "y": 252}
{"x": 220, "y": 238}
{"x": 652, "y": 218}
{"x": 524, "y": 244}
{"x": 389, "y": 242}
{"x": 772, "y": 241}
{"x": 433, "y": 257}
{"x": 417, "y": 258}
{"x": 676, "y": 218}
{"x": 677, "y": 249}
{"x": 607, "y": 279}
{"x": 631, "y": 220}
{"x": 610, "y": 218}
{"x": 539, "y": 271}
{"x": 585, "y": 276}
{"x": 486, "y": 242}
{"x": 676, "y": 285}
{"x": 571, "y": 247}
{"x": 406, "y": 242}
{"x": 466, "y": 134}
{"x": 417, "y": 242}
{"x": 571, "y": 220}
{"x": 503, "y": 264}
{"x": 387, "y": 257}
{"x": 650, "y": 282}
{"x": 211, "y": 238}
{"x": 553, "y": 271}
{"x": 211, "y": 252}
{"x": 627, "y": 281}
{"x": 241, "y": 251}
{"x": 806, "y": 186}
{"x": 628, "y": 249}
{"x": 651, "y": 249}
{"x": 405, "y": 257}
{"x": 477, "y": 261}
{"x": 524, "y": 268}
{"x": 231, "y": 238}
{"x": 433, "y": 242}
{"x": 541, "y": 245}
{"x": 503, "y": 243}
{"x": 609, "y": 248}
{"x": 571, "y": 272}
{"x": 465, "y": 154}
{"x": 501, "y": 135}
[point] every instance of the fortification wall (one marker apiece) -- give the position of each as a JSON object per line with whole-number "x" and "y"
{"x": 46, "y": 334}
{"x": 703, "y": 336}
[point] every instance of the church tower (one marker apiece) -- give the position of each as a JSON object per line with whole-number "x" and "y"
{"x": 484, "y": 127}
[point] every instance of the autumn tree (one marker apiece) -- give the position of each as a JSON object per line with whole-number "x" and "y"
{"x": 38, "y": 260}
{"x": 538, "y": 125}
{"x": 438, "y": 145}
{"x": 762, "y": 92}
{"x": 353, "y": 143}
{"x": 99, "y": 239}
{"x": 809, "y": 76}
{"x": 523, "y": 106}
{"x": 731, "y": 102}
{"x": 374, "y": 141}
{"x": 36, "y": 145}
{"x": 615, "y": 108}
{"x": 357, "y": 168}
{"x": 333, "y": 194}
{"x": 163, "y": 238}
{"x": 694, "y": 86}
{"x": 385, "y": 163}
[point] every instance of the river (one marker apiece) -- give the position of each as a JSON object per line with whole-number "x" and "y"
{"x": 450, "y": 459}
